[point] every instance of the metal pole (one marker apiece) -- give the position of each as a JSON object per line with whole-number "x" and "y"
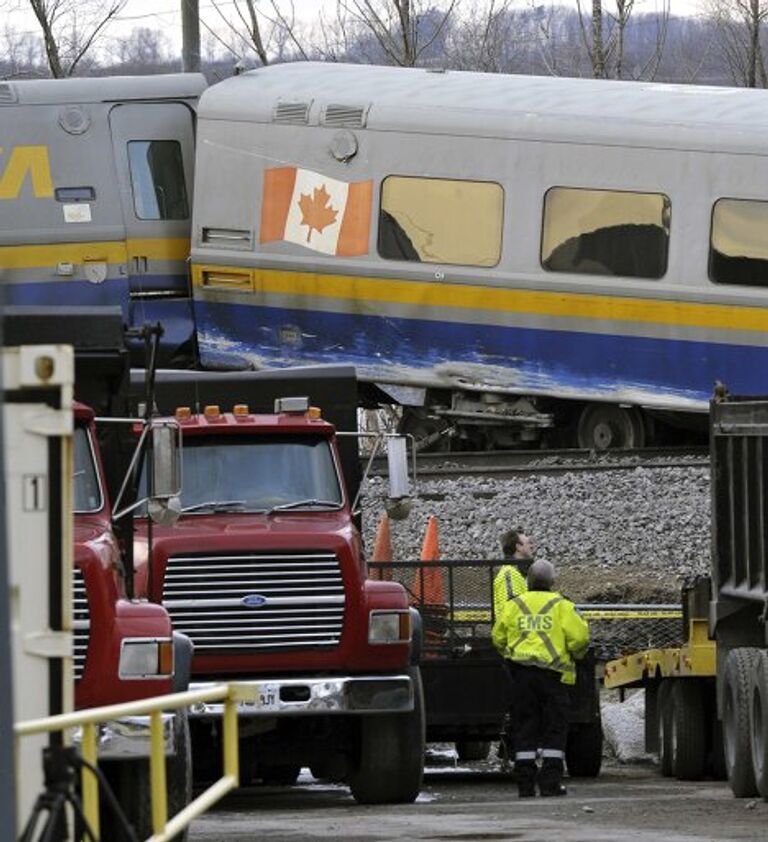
{"x": 7, "y": 761}
{"x": 190, "y": 36}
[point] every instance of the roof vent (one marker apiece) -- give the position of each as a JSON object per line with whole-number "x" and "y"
{"x": 292, "y": 112}
{"x": 7, "y": 93}
{"x": 349, "y": 116}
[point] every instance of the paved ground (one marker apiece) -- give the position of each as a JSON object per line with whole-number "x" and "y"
{"x": 625, "y": 803}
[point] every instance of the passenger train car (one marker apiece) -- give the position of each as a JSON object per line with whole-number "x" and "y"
{"x": 507, "y": 257}
{"x": 96, "y": 197}
{"x": 503, "y": 253}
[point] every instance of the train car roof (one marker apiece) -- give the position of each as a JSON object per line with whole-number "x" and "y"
{"x": 102, "y": 89}
{"x": 494, "y": 105}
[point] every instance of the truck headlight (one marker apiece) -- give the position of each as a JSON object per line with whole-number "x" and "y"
{"x": 146, "y": 658}
{"x": 389, "y": 627}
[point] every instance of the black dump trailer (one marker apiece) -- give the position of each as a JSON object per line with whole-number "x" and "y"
{"x": 739, "y": 605}
{"x": 467, "y": 690}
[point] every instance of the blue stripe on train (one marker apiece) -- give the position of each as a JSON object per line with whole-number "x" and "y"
{"x": 176, "y": 315}
{"x": 533, "y": 358}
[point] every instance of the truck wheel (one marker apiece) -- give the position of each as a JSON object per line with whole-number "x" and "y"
{"x": 759, "y": 723}
{"x": 736, "y": 730}
{"x": 664, "y": 726}
{"x": 584, "y": 750}
{"x": 133, "y": 790}
{"x": 390, "y": 765}
{"x": 468, "y": 750}
{"x": 688, "y": 738}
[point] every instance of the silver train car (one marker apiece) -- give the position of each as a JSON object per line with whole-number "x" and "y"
{"x": 502, "y": 255}
{"x": 96, "y": 186}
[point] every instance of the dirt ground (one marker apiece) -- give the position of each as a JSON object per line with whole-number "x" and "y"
{"x": 626, "y": 803}
{"x": 620, "y": 584}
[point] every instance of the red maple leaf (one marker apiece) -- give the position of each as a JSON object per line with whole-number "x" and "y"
{"x": 316, "y": 211}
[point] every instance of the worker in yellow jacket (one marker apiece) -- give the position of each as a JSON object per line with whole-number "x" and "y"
{"x": 517, "y": 548}
{"x": 541, "y": 634}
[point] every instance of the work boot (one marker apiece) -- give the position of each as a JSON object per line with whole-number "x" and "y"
{"x": 550, "y": 778}
{"x": 525, "y": 772}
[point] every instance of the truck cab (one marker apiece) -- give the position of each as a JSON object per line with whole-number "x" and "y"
{"x": 123, "y": 648}
{"x": 264, "y": 571}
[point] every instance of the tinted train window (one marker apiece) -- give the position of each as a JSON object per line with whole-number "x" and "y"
{"x": 738, "y": 250}
{"x": 157, "y": 177}
{"x": 441, "y": 221}
{"x": 605, "y": 232}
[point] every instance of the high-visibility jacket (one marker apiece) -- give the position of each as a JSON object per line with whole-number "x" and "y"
{"x": 508, "y": 583}
{"x": 542, "y": 629}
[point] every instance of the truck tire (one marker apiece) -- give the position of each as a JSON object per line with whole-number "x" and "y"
{"x": 664, "y": 726}
{"x": 759, "y": 723}
{"x": 468, "y": 750}
{"x": 584, "y": 750}
{"x": 133, "y": 790}
{"x": 736, "y": 728}
{"x": 389, "y": 767}
{"x": 688, "y": 737}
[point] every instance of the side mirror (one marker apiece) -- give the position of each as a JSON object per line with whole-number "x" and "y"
{"x": 399, "y": 498}
{"x": 166, "y": 460}
{"x": 164, "y": 512}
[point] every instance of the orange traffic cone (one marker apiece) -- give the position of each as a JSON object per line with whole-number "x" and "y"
{"x": 382, "y": 548}
{"x": 428, "y": 583}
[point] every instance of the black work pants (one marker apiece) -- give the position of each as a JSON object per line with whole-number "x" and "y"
{"x": 540, "y": 710}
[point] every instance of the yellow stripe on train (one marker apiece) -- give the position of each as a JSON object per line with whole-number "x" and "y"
{"x": 475, "y": 297}
{"x": 108, "y": 251}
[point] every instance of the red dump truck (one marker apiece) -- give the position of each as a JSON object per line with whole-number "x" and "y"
{"x": 264, "y": 572}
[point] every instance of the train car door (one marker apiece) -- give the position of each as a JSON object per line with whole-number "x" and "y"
{"x": 154, "y": 154}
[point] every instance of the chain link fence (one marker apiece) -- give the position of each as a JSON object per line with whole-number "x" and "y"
{"x": 455, "y": 600}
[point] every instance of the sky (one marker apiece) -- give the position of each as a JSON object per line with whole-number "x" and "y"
{"x": 164, "y": 14}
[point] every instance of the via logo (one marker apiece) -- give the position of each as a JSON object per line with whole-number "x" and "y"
{"x": 254, "y": 600}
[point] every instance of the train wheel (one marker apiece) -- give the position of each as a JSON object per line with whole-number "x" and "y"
{"x": 737, "y": 742}
{"x": 758, "y": 721}
{"x": 608, "y": 427}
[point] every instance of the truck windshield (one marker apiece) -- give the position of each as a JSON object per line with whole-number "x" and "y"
{"x": 87, "y": 491}
{"x": 258, "y": 474}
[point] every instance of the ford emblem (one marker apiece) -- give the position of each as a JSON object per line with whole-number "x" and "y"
{"x": 254, "y": 600}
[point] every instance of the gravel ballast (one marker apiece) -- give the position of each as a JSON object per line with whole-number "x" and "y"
{"x": 624, "y": 535}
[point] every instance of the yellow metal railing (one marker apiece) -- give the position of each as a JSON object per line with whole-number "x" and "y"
{"x": 163, "y": 829}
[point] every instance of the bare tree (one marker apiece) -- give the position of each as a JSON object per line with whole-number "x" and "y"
{"x": 263, "y": 31}
{"x": 71, "y": 28}
{"x": 493, "y": 37}
{"x": 404, "y": 31}
{"x": 21, "y": 54}
{"x": 740, "y": 25}
{"x": 604, "y": 33}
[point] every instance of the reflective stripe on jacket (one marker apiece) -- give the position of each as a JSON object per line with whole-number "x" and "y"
{"x": 508, "y": 583}
{"x": 542, "y": 629}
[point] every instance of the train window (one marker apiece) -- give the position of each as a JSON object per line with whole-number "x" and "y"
{"x": 605, "y": 232}
{"x": 738, "y": 249}
{"x": 437, "y": 220}
{"x": 157, "y": 177}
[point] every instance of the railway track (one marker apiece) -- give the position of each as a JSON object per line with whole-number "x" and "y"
{"x": 504, "y": 463}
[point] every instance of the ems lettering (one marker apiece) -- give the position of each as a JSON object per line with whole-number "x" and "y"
{"x": 22, "y": 162}
{"x": 526, "y": 623}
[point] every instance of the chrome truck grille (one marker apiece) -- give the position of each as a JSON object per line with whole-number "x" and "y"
{"x": 81, "y": 622}
{"x": 256, "y": 601}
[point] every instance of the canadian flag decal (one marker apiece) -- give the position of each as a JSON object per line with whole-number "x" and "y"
{"x": 324, "y": 214}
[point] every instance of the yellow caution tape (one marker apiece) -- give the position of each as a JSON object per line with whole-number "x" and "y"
{"x": 484, "y": 616}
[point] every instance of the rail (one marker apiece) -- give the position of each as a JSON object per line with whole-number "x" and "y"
{"x": 163, "y": 829}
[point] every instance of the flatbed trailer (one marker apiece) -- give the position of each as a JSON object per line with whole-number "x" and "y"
{"x": 467, "y": 691}
{"x": 681, "y": 723}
